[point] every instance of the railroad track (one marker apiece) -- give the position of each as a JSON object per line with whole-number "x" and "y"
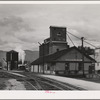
{"x": 42, "y": 83}
{"x": 10, "y": 75}
{"x": 61, "y": 85}
{"x": 20, "y": 77}
{"x": 35, "y": 83}
{"x": 50, "y": 84}
{"x": 31, "y": 84}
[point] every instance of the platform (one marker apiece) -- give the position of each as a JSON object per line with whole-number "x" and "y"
{"x": 76, "y": 82}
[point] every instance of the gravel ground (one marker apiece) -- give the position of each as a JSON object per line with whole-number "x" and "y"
{"x": 2, "y": 83}
{"x": 12, "y": 82}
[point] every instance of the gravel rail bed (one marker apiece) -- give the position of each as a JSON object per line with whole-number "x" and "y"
{"x": 51, "y": 84}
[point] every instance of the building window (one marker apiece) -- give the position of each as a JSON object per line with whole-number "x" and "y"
{"x": 66, "y": 66}
{"x": 79, "y": 66}
{"x": 53, "y": 64}
{"x": 59, "y": 34}
{"x": 48, "y": 67}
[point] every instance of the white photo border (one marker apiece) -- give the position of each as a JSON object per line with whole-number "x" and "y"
{"x": 51, "y": 94}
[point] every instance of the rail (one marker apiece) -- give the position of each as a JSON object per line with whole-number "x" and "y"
{"x": 54, "y": 83}
{"x": 42, "y": 83}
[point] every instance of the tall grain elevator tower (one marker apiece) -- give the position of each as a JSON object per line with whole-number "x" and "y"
{"x": 12, "y": 60}
{"x": 57, "y": 39}
{"x": 56, "y": 42}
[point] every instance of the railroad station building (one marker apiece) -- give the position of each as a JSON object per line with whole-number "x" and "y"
{"x": 57, "y": 57}
{"x": 97, "y": 58}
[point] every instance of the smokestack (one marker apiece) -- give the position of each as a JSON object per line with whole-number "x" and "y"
{"x": 21, "y": 54}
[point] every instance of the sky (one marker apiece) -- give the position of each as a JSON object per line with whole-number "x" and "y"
{"x": 24, "y": 25}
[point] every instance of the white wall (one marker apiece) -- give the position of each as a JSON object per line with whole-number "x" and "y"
{"x": 32, "y": 68}
{"x": 97, "y": 58}
{"x": 35, "y": 68}
{"x": 97, "y": 66}
{"x": 51, "y": 71}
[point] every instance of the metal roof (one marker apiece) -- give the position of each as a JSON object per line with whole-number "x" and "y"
{"x": 54, "y": 56}
{"x": 12, "y": 51}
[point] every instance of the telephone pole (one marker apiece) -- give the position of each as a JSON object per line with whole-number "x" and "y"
{"x": 42, "y": 54}
{"x": 82, "y": 38}
{"x": 43, "y": 58}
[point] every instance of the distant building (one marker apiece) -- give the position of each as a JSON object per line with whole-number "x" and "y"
{"x": 12, "y": 60}
{"x": 56, "y": 57}
{"x": 97, "y": 58}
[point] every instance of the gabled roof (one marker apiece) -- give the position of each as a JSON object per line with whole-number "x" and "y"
{"x": 12, "y": 51}
{"x": 54, "y": 56}
{"x": 57, "y": 27}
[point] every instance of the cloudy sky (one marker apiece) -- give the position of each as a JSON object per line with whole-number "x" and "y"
{"x": 24, "y": 25}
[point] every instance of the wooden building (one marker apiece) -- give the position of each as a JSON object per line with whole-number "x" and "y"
{"x": 67, "y": 61}
{"x": 56, "y": 57}
{"x": 97, "y": 58}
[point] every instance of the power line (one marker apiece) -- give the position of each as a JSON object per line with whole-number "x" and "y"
{"x": 71, "y": 40}
{"x": 80, "y": 39}
{"x": 90, "y": 44}
{"x": 73, "y": 35}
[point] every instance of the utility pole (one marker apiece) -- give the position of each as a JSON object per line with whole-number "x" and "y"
{"x": 66, "y": 33}
{"x": 43, "y": 58}
{"x": 82, "y": 38}
{"x": 43, "y": 54}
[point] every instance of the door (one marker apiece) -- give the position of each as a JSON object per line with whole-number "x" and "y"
{"x": 67, "y": 69}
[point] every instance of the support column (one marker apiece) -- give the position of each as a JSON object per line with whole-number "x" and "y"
{"x": 17, "y": 64}
{"x": 38, "y": 68}
{"x": 33, "y": 68}
{"x": 7, "y": 65}
{"x": 83, "y": 55}
{"x": 43, "y": 58}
